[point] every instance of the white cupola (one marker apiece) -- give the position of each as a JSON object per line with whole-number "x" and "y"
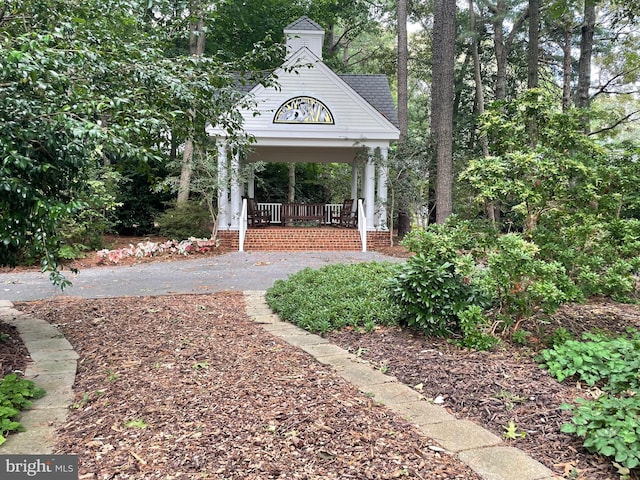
{"x": 304, "y": 32}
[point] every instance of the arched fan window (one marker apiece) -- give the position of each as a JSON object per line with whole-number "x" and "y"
{"x": 304, "y": 110}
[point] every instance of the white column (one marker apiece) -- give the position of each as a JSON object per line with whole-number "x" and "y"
{"x": 381, "y": 202}
{"x": 236, "y": 192}
{"x": 223, "y": 188}
{"x": 354, "y": 180}
{"x": 369, "y": 190}
{"x": 251, "y": 184}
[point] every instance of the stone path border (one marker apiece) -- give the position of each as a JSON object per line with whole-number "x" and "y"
{"x": 53, "y": 368}
{"x": 481, "y": 450}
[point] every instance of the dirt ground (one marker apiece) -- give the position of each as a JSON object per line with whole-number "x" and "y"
{"x": 180, "y": 386}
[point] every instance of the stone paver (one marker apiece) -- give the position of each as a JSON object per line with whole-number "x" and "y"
{"x": 483, "y": 451}
{"x": 53, "y": 367}
{"x": 504, "y": 463}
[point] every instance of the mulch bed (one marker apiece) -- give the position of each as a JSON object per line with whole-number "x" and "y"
{"x": 14, "y": 357}
{"x": 188, "y": 387}
{"x": 495, "y": 388}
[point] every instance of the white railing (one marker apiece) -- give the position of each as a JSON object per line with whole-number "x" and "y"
{"x": 331, "y": 209}
{"x": 243, "y": 225}
{"x": 362, "y": 224}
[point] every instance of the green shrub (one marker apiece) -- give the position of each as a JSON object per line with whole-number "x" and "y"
{"x": 600, "y": 256}
{"x": 185, "y": 221}
{"x": 454, "y": 236}
{"x": 432, "y": 291}
{"x": 609, "y": 426}
{"x": 15, "y": 394}
{"x": 84, "y": 228}
{"x": 474, "y": 326}
{"x": 611, "y": 363}
{"x": 335, "y": 296}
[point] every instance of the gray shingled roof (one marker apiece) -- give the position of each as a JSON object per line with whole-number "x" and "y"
{"x": 303, "y": 23}
{"x": 375, "y": 90}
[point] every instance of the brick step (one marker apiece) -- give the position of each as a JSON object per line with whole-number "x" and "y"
{"x": 301, "y": 239}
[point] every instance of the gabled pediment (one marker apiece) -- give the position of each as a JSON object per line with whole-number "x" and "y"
{"x": 324, "y": 103}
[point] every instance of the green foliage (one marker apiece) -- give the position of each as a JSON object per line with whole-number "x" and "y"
{"x": 15, "y": 394}
{"x": 78, "y": 89}
{"x": 433, "y": 289}
{"x": 601, "y": 256}
{"x": 464, "y": 278}
{"x": 85, "y": 229}
{"x": 609, "y": 426}
{"x": 184, "y": 221}
{"x": 611, "y": 363}
{"x": 336, "y": 296}
{"x": 474, "y": 325}
{"x": 559, "y": 336}
{"x": 455, "y": 235}
{"x": 522, "y": 283}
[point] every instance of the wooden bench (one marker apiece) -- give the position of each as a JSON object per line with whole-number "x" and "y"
{"x": 302, "y": 212}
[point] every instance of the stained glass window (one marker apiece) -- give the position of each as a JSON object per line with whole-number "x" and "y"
{"x": 304, "y": 110}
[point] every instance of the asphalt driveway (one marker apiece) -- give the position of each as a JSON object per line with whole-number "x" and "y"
{"x": 232, "y": 271}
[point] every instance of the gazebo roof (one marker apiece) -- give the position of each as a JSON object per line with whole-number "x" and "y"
{"x": 303, "y": 23}
{"x": 374, "y": 88}
{"x": 357, "y": 108}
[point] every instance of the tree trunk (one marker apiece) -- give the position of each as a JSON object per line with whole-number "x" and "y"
{"x": 196, "y": 47}
{"x": 583, "y": 99}
{"x": 566, "y": 67}
{"x": 185, "y": 174}
{"x": 534, "y": 44}
{"x": 444, "y": 35}
{"x": 501, "y": 51}
{"x": 477, "y": 76}
{"x": 532, "y": 63}
{"x": 502, "y": 46}
{"x": 404, "y": 219}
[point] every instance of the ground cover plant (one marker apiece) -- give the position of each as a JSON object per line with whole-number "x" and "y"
{"x": 335, "y": 297}
{"x": 609, "y": 424}
{"x": 16, "y": 394}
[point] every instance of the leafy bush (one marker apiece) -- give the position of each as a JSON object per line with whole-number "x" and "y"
{"x": 336, "y": 296}
{"x": 455, "y": 235}
{"x": 184, "y": 221}
{"x": 609, "y": 426}
{"x": 432, "y": 291}
{"x": 15, "y": 395}
{"x": 601, "y": 256}
{"x": 523, "y": 284}
{"x": 84, "y": 228}
{"x": 612, "y": 363}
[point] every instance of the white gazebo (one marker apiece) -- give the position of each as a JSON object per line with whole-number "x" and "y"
{"x": 314, "y": 116}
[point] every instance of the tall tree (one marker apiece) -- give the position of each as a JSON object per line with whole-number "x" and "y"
{"x": 502, "y": 45}
{"x": 532, "y": 62}
{"x": 404, "y": 219}
{"x": 197, "y": 41}
{"x": 443, "y": 67}
{"x": 583, "y": 98}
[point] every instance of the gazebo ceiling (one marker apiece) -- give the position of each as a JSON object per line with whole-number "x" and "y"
{"x": 302, "y": 154}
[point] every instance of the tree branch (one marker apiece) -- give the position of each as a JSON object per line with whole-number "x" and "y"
{"x": 619, "y": 122}
{"x": 603, "y": 88}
